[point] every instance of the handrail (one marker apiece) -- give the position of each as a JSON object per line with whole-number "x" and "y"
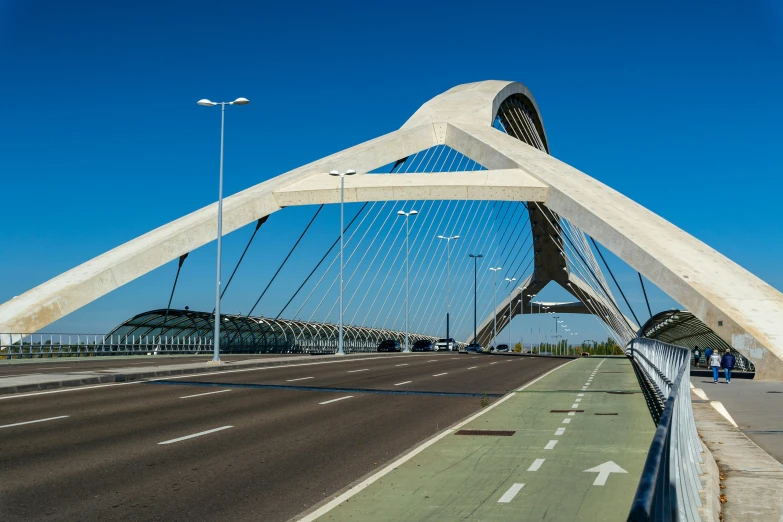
{"x": 669, "y": 487}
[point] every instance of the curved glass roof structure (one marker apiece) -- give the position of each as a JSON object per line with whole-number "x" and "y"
{"x": 241, "y": 334}
{"x": 682, "y": 328}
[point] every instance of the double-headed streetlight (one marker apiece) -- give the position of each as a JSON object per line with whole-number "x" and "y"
{"x": 475, "y": 264}
{"x": 448, "y": 239}
{"x": 206, "y": 103}
{"x": 509, "y": 312}
{"x": 349, "y": 172}
{"x": 495, "y": 305}
{"x": 407, "y": 271}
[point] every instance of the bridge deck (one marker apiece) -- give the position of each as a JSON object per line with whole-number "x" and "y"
{"x": 473, "y": 477}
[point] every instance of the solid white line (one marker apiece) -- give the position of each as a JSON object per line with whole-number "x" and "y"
{"x": 472, "y": 367}
{"x": 78, "y": 388}
{"x": 19, "y": 375}
{"x": 186, "y": 437}
{"x": 566, "y": 421}
{"x": 401, "y": 383}
{"x": 34, "y": 421}
{"x": 335, "y": 400}
{"x": 560, "y": 431}
{"x": 575, "y": 405}
{"x": 201, "y": 394}
{"x": 311, "y": 517}
{"x": 300, "y": 379}
{"x": 509, "y": 495}
{"x": 362, "y": 370}
{"x": 720, "y": 408}
{"x": 551, "y": 444}
{"x": 439, "y": 374}
{"x": 536, "y": 465}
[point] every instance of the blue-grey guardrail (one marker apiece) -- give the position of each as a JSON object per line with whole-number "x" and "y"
{"x": 669, "y": 489}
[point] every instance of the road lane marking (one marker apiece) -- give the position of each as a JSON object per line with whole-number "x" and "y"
{"x": 300, "y": 379}
{"x": 575, "y": 405}
{"x": 439, "y": 374}
{"x": 200, "y": 394}
{"x": 362, "y": 370}
{"x": 560, "y": 431}
{"x": 20, "y": 374}
{"x": 405, "y": 364}
{"x": 578, "y": 399}
{"x": 34, "y": 421}
{"x": 551, "y": 444}
{"x": 472, "y": 367}
{"x": 364, "y": 484}
{"x": 571, "y": 413}
{"x": 432, "y": 360}
{"x": 536, "y": 465}
{"x": 401, "y": 383}
{"x": 64, "y": 390}
{"x": 493, "y": 362}
{"x": 199, "y": 434}
{"x": 509, "y": 495}
{"x": 580, "y": 394}
{"x": 566, "y": 421}
{"x": 335, "y": 400}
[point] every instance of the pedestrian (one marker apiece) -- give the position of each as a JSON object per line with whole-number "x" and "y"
{"x": 707, "y": 354}
{"x": 696, "y": 356}
{"x": 727, "y": 361}
{"x": 714, "y": 364}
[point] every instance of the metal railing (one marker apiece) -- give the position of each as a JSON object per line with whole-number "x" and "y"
{"x": 670, "y": 485}
{"x": 23, "y": 346}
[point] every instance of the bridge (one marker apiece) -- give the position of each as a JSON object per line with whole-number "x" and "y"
{"x": 475, "y": 164}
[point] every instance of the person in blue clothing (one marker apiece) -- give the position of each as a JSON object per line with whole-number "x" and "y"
{"x": 727, "y": 362}
{"x": 707, "y": 354}
{"x": 714, "y": 363}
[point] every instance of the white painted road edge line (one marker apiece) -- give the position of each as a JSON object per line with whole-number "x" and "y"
{"x": 300, "y": 379}
{"x": 362, "y": 370}
{"x": 536, "y": 465}
{"x": 401, "y": 383}
{"x": 439, "y": 374}
{"x": 336, "y": 501}
{"x": 718, "y": 407}
{"x": 34, "y": 421}
{"x": 509, "y": 495}
{"x": 335, "y": 400}
{"x": 202, "y": 394}
{"x": 551, "y": 444}
{"x": 186, "y": 437}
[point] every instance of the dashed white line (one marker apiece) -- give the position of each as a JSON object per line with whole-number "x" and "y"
{"x": 300, "y": 379}
{"x": 560, "y": 431}
{"x": 401, "y": 383}
{"x": 551, "y": 444}
{"x": 580, "y": 394}
{"x": 404, "y": 364}
{"x": 362, "y": 370}
{"x": 493, "y": 362}
{"x": 509, "y": 495}
{"x": 536, "y": 465}
{"x": 575, "y": 405}
{"x": 186, "y": 437}
{"x": 578, "y": 399}
{"x": 571, "y": 413}
{"x": 200, "y": 394}
{"x": 34, "y": 421}
{"x": 566, "y": 421}
{"x": 432, "y": 360}
{"x": 335, "y": 400}
{"x": 439, "y": 374}
{"x": 472, "y": 367}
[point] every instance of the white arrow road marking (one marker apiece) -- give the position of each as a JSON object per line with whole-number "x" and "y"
{"x": 509, "y": 495}
{"x": 603, "y": 472}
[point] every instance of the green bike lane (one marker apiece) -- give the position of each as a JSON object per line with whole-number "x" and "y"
{"x": 564, "y": 465}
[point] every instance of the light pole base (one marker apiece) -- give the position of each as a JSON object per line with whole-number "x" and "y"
{"x": 339, "y": 353}
{"x": 215, "y": 363}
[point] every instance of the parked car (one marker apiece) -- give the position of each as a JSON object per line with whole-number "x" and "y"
{"x": 424, "y": 345}
{"x": 502, "y": 348}
{"x": 474, "y": 347}
{"x": 390, "y": 345}
{"x": 446, "y": 344}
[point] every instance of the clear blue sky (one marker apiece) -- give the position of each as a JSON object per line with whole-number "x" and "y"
{"x": 674, "y": 103}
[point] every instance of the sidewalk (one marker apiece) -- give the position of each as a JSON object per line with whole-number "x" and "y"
{"x": 566, "y": 430}
{"x": 50, "y": 381}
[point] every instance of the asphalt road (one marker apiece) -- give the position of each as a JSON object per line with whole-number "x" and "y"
{"x": 277, "y": 451}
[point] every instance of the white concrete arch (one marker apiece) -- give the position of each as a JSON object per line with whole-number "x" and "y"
{"x": 742, "y": 309}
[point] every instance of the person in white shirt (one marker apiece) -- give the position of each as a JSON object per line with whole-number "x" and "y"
{"x": 715, "y": 365}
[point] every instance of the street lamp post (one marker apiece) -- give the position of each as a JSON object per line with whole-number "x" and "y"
{"x": 475, "y": 264}
{"x": 349, "y": 172}
{"x": 407, "y": 272}
{"x": 531, "y": 296}
{"x": 495, "y": 305}
{"x": 448, "y": 285}
{"x": 509, "y": 312}
{"x": 206, "y": 103}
